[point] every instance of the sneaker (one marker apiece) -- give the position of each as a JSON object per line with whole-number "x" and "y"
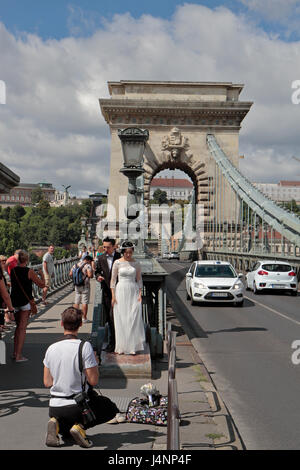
{"x": 79, "y": 435}
{"x": 119, "y": 418}
{"x": 22, "y": 359}
{"x": 52, "y": 438}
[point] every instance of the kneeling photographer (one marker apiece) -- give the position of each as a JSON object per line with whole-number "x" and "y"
{"x": 68, "y": 409}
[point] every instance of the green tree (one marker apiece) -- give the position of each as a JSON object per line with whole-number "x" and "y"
{"x": 37, "y": 195}
{"x": 16, "y": 214}
{"x": 86, "y": 207}
{"x": 160, "y": 197}
{"x": 6, "y": 213}
{"x": 11, "y": 238}
{"x": 41, "y": 225}
{"x": 43, "y": 208}
{"x": 292, "y": 206}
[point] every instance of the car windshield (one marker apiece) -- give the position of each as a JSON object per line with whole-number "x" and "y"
{"x": 214, "y": 270}
{"x": 279, "y": 268}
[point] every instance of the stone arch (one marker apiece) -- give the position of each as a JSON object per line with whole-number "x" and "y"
{"x": 196, "y": 170}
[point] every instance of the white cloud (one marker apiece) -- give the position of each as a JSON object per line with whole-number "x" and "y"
{"x": 273, "y": 10}
{"x": 52, "y": 127}
{"x": 282, "y": 16}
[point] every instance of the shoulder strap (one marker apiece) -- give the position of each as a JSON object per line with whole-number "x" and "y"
{"x": 83, "y": 382}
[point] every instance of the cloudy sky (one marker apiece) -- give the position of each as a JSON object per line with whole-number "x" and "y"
{"x": 57, "y": 56}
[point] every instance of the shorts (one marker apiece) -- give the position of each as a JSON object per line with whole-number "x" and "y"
{"x": 67, "y": 416}
{"x": 23, "y": 308}
{"x": 82, "y": 295}
{"x": 47, "y": 280}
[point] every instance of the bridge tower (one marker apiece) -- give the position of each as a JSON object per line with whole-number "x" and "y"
{"x": 178, "y": 116}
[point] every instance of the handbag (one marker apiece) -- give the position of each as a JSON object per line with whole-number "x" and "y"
{"x": 103, "y": 409}
{"x": 33, "y": 306}
{"x": 139, "y": 411}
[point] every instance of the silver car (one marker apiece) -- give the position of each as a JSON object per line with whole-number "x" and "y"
{"x": 272, "y": 275}
{"x": 214, "y": 281}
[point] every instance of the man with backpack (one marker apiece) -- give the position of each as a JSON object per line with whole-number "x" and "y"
{"x": 81, "y": 274}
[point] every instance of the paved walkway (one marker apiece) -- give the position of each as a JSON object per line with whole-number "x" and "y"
{"x": 24, "y": 400}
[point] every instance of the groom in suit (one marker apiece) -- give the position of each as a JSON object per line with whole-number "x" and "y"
{"x": 103, "y": 274}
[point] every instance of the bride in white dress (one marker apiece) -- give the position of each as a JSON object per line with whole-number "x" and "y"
{"x": 127, "y": 302}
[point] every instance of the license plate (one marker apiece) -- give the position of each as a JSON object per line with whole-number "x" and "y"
{"x": 278, "y": 286}
{"x": 219, "y": 294}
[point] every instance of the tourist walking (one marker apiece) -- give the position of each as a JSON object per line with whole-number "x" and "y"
{"x": 81, "y": 273}
{"x": 22, "y": 278}
{"x": 62, "y": 374}
{"x": 3, "y": 260}
{"x": 48, "y": 270}
{"x": 103, "y": 271}
{"x": 5, "y": 301}
{"x": 12, "y": 262}
{"x": 83, "y": 251}
{"x": 6, "y": 278}
{"x": 127, "y": 302}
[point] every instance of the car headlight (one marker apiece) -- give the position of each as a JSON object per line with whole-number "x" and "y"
{"x": 238, "y": 285}
{"x": 199, "y": 285}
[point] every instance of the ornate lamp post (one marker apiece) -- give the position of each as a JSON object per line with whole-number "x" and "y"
{"x": 82, "y": 241}
{"x": 89, "y": 238}
{"x": 133, "y": 142}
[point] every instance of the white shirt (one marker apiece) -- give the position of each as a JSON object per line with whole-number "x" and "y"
{"x": 62, "y": 360}
{"x": 110, "y": 259}
{"x": 47, "y": 258}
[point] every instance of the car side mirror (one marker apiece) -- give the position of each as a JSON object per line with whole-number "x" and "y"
{"x": 241, "y": 275}
{"x": 189, "y": 275}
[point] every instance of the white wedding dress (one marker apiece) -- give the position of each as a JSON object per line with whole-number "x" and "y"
{"x": 128, "y": 319}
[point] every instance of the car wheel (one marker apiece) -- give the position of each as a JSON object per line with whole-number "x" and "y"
{"x": 239, "y": 304}
{"x": 294, "y": 293}
{"x": 255, "y": 290}
{"x": 192, "y": 300}
{"x": 188, "y": 297}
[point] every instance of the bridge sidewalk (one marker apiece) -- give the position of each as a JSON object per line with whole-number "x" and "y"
{"x": 24, "y": 400}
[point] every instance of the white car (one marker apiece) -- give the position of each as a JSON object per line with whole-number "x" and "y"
{"x": 275, "y": 275}
{"x": 214, "y": 281}
{"x": 173, "y": 255}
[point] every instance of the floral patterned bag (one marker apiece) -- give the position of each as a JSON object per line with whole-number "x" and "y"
{"x": 139, "y": 411}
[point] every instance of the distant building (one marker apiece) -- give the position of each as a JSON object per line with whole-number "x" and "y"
{"x": 22, "y": 194}
{"x": 283, "y": 191}
{"x": 176, "y": 188}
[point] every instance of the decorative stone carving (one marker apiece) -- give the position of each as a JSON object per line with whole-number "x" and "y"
{"x": 174, "y": 145}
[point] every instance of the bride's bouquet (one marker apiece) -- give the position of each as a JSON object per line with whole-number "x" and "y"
{"x": 150, "y": 391}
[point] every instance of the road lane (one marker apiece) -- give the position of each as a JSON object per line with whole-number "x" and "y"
{"x": 248, "y": 353}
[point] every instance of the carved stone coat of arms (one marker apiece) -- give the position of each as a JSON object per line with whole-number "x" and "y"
{"x": 175, "y": 145}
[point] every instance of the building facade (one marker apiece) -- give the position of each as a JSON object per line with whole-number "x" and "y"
{"x": 176, "y": 188}
{"x": 22, "y": 194}
{"x": 283, "y": 191}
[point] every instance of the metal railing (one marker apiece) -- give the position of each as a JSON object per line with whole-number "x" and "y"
{"x": 60, "y": 279}
{"x": 244, "y": 261}
{"x": 173, "y": 438}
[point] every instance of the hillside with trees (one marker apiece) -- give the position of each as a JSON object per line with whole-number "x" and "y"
{"x": 24, "y": 227}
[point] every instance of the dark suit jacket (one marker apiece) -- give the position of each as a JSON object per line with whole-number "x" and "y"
{"x": 102, "y": 269}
